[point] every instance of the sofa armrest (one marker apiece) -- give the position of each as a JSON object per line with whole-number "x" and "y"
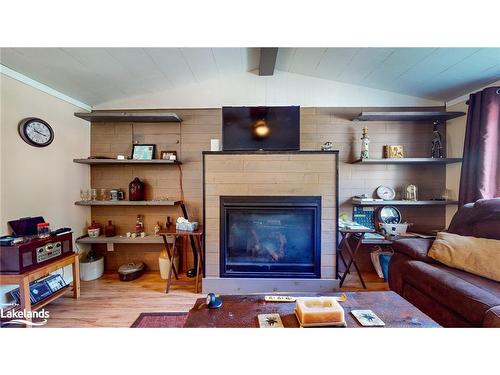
{"x": 415, "y": 248}
{"x": 492, "y": 318}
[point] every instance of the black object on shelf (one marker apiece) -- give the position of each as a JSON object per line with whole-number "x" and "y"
{"x": 408, "y": 161}
{"x": 408, "y": 116}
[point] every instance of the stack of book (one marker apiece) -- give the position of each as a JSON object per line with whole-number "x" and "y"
{"x": 362, "y": 199}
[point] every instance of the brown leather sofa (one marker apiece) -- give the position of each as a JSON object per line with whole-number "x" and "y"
{"x": 451, "y": 297}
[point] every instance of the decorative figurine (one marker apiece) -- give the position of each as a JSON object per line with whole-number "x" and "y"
{"x": 365, "y": 142}
{"x": 157, "y": 228}
{"x": 327, "y": 146}
{"x": 437, "y": 144}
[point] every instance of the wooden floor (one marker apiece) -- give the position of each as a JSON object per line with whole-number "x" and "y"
{"x": 109, "y": 302}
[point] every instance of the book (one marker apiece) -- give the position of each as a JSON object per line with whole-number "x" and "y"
{"x": 270, "y": 321}
{"x": 367, "y": 318}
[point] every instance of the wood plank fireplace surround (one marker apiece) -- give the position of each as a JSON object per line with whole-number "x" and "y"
{"x": 245, "y": 196}
{"x": 297, "y": 174}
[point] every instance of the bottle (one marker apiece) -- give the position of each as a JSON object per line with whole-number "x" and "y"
{"x": 365, "y": 144}
{"x": 139, "y": 225}
{"x": 110, "y": 230}
{"x": 136, "y": 190}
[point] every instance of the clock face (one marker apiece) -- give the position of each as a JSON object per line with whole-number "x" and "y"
{"x": 386, "y": 193}
{"x": 36, "y": 132}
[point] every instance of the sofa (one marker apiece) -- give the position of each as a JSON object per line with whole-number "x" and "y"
{"x": 451, "y": 297}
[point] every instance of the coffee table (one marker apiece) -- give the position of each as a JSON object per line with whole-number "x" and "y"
{"x": 240, "y": 311}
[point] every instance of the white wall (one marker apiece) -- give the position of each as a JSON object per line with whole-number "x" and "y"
{"x": 280, "y": 89}
{"x": 41, "y": 181}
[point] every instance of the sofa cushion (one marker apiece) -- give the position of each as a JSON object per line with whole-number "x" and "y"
{"x": 479, "y": 256}
{"x": 415, "y": 248}
{"x": 479, "y": 219}
{"x": 468, "y": 295}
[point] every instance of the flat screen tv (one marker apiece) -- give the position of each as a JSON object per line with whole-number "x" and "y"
{"x": 261, "y": 128}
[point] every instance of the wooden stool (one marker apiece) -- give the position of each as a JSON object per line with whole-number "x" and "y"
{"x": 172, "y": 252}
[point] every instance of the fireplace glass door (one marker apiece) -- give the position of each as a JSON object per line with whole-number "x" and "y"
{"x": 271, "y": 238}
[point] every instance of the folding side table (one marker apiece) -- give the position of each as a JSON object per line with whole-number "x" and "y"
{"x": 358, "y": 235}
{"x": 172, "y": 252}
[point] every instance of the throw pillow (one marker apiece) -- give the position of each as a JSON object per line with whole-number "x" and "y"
{"x": 479, "y": 256}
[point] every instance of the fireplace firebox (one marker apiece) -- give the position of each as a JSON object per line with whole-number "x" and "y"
{"x": 270, "y": 236}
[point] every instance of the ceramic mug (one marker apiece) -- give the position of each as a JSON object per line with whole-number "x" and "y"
{"x": 116, "y": 195}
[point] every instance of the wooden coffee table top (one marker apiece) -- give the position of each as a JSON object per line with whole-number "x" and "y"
{"x": 241, "y": 311}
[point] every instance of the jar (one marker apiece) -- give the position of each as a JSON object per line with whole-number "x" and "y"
{"x": 94, "y": 230}
{"x": 43, "y": 230}
{"x": 136, "y": 190}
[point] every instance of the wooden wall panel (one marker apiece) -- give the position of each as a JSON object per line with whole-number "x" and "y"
{"x": 318, "y": 125}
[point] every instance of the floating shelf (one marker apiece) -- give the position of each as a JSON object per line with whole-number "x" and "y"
{"x": 126, "y": 116}
{"x": 405, "y": 203}
{"x": 121, "y": 239}
{"x": 128, "y": 161}
{"x": 408, "y": 116}
{"x": 408, "y": 161}
{"x": 127, "y": 203}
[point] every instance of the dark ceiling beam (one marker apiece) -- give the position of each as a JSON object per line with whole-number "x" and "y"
{"x": 267, "y": 61}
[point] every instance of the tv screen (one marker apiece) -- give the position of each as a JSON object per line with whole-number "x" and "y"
{"x": 261, "y": 128}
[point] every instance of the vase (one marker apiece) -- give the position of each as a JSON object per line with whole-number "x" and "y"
{"x": 136, "y": 190}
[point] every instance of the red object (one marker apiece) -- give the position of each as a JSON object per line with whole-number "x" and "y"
{"x": 110, "y": 230}
{"x": 136, "y": 190}
{"x": 25, "y": 256}
{"x": 160, "y": 320}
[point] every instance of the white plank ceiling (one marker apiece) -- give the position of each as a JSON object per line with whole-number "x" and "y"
{"x": 97, "y": 75}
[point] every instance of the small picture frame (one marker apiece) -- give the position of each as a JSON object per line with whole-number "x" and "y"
{"x": 168, "y": 155}
{"x": 143, "y": 151}
{"x": 393, "y": 151}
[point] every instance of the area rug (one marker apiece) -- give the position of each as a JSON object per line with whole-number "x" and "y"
{"x": 160, "y": 320}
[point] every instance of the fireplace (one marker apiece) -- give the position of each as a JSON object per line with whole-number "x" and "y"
{"x": 270, "y": 236}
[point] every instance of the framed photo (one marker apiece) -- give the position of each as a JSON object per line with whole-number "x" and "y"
{"x": 393, "y": 151}
{"x": 143, "y": 152}
{"x": 168, "y": 155}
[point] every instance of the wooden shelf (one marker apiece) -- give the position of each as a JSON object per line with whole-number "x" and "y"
{"x": 128, "y": 161}
{"x": 127, "y": 203}
{"x": 408, "y": 161}
{"x": 408, "y": 116}
{"x": 120, "y": 239}
{"x": 127, "y": 116}
{"x": 52, "y": 297}
{"x": 404, "y": 203}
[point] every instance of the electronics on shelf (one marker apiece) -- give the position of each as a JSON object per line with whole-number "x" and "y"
{"x": 41, "y": 289}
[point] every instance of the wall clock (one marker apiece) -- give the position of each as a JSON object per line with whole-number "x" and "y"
{"x": 36, "y": 132}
